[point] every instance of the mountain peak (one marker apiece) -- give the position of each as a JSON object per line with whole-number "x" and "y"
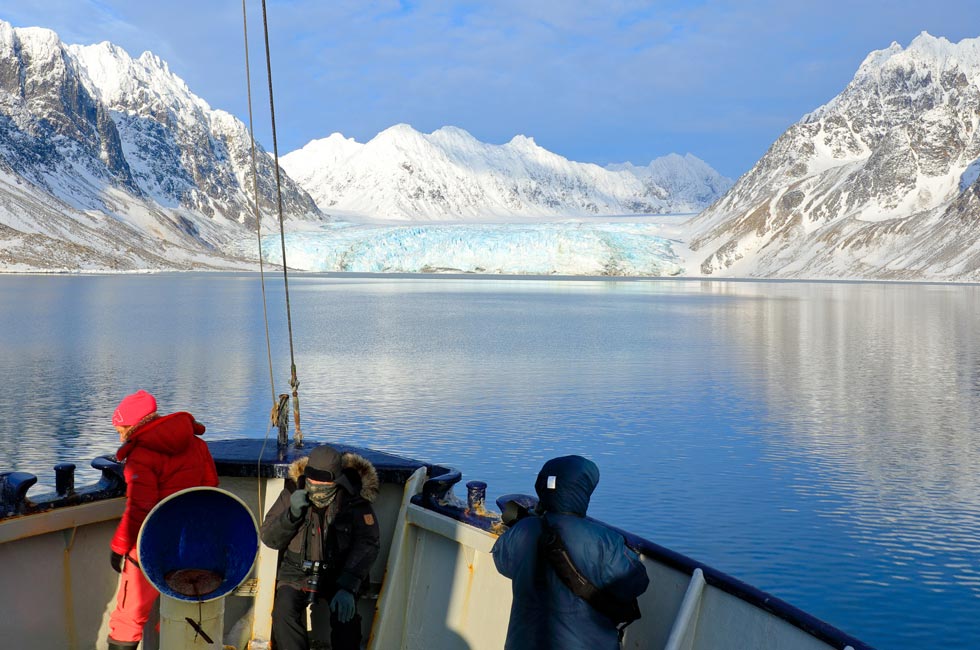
{"x": 122, "y": 81}
{"x": 453, "y": 135}
{"x": 524, "y": 141}
{"x": 44, "y": 44}
{"x": 861, "y": 181}
{"x": 152, "y": 61}
{"x": 111, "y": 49}
{"x": 932, "y": 48}
{"x": 933, "y": 51}
{"x": 400, "y": 130}
{"x": 337, "y": 135}
{"x": 454, "y": 131}
{"x": 335, "y": 147}
{"x": 36, "y": 35}
{"x": 523, "y": 145}
{"x": 925, "y": 37}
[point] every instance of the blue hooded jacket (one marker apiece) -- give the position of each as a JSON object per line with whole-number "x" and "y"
{"x": 545, "y": 614}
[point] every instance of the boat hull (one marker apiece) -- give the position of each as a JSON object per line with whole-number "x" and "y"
{"x": 433, "y": 587}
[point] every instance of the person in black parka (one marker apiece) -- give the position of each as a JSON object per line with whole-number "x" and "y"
{"x": 545, "y": 614}
{"x": 328, "y": 537}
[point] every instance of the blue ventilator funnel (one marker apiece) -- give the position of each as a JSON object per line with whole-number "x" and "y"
{"x": 198, "y": 544}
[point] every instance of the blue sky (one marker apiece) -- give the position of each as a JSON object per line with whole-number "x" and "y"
{"x": 595, "y": 81}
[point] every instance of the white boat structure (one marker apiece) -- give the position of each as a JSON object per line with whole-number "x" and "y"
{"x": 434, "y": 585}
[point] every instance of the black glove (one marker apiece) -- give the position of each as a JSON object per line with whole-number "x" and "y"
{"x": 298, "y": 503}
{"x": 116, "y": 560}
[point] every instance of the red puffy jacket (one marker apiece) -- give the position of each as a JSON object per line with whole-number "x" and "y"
{"x": 162, "y": 456}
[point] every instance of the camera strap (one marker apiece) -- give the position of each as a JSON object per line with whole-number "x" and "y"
{"x": 620, "y": 612}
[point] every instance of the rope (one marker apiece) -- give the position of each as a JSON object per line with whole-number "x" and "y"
{"x": 259, "y": 484}
{"x": 258, "y": 232}
{"x": 280, "y": 418}
{"x": 293, "y": 381}
{"x": 258, "y": 214}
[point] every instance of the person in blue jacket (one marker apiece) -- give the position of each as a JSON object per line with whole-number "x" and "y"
{"x": 546, "y": 614}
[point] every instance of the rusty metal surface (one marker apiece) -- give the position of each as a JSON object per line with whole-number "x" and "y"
{"x": 197, "y": 583}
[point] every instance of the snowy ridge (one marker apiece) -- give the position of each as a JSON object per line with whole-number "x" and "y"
{"x": 880, "y": 182}
{"x": 118, "y": 79}
{"x": 404, "y": 175}
{"x": 211, "y": 171}
{"x": 120, "y": 165}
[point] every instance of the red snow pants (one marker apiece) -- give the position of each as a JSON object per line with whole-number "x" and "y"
{"x": 133, "y": 604}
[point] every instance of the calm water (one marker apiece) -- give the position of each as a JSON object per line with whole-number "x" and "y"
{"x": 816, "y": 440}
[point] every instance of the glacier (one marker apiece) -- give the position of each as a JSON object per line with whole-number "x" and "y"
{"x": 633, "y": 247}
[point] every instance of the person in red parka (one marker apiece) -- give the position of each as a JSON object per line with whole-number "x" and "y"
{"x": 161, "y": 455}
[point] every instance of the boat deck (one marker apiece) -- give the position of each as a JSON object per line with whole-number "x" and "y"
{"x": 433, "y": 587}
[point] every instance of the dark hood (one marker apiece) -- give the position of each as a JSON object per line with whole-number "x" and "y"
{"x": 566, "y": 484}
{"x": 369, "y": 485}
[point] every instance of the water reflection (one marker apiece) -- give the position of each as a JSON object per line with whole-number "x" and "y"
{"x": 872, "y": 393}
{"x": 814, "y": 439}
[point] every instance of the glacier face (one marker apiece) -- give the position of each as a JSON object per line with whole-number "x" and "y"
{"x": 881, "y": 182}
{"x": 405, "y": 175}
{"x": 625, "y": 248}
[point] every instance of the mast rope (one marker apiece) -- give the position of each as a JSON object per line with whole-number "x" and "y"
{"x": 255, "y": 197}
{"x": 293, "y": 381}
{"x": 258, "y": 233}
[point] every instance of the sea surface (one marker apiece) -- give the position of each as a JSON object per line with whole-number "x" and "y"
{"x": 817, "y": 440}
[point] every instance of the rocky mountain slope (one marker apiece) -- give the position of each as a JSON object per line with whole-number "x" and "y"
{"x": 881, "y": 182}
{"x": 112, "y": 162}
{"x": 402, "y": 174}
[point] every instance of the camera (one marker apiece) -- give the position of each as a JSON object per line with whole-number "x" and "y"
{"x": 312, "y": 571}
{"x": 514, "y": 507}
{"x": 514, "y": 512}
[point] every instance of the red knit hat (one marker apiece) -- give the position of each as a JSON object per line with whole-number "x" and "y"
{"x": 134, "y": 408}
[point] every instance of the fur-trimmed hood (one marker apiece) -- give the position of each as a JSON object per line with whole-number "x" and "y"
{"x": 370, "y": 484}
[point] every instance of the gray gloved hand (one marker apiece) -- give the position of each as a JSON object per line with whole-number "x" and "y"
{"x": 298, "y": 503}
{"x": 342, "y": 605}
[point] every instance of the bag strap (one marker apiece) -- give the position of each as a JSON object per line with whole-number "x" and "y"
{"x": 620, "y": 612}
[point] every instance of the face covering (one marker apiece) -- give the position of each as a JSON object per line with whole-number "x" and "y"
{"x": 321, "y": 496}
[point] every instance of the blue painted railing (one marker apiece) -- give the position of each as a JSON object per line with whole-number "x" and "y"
{"x": 14, "y": 486}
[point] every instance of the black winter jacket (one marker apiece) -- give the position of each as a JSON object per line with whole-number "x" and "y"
{"x": 347, "y": 547}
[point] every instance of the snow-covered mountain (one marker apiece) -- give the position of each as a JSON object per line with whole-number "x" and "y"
{"x": 687, "y": 181}
{"x": 112, "y": 162}
{"x": 402, "y": 174}
{"x": 881, "y": 182}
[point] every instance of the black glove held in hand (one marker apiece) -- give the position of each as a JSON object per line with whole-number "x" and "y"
{"x": 116, "y": 560}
